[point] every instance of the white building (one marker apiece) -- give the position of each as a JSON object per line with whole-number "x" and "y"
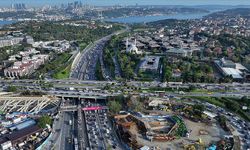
{"x": 229, "y": 68}
{"x": 10, "y": 40}
{"x": 175, "y": 52}
{"x": 6, "y": 145}
{"x": 132, "y": 48}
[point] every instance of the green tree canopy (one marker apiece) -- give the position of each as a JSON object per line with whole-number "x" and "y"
{"x": 42, "y": 121}
{"x": 232, "y": 105}
{"x": 114, "y": 106}
{"x": 11, "y": 89}
{"x": 198, "y": 109}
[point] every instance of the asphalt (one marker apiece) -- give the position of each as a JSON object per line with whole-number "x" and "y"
{"x": 85, "y": 68}
{"x": 66, "y": 133}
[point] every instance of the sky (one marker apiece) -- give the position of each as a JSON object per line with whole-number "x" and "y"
{"x": 4, "y": 3}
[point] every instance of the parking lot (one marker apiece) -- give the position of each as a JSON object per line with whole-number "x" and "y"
{"x": 242, "y": 129}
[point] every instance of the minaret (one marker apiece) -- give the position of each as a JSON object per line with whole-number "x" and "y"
{"x": 126, "y": 43}
{"x": 135, "y": 42}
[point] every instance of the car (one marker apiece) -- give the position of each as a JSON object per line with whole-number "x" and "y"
{"x": 69, "y": 140}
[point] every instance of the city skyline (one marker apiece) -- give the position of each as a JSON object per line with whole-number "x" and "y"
{"x": 128, "y": 2}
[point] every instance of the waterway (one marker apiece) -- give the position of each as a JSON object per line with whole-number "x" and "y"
{"x": 137, "y": 19}
{"x": 145, "y": 19}
{"x": 6, "y": 22}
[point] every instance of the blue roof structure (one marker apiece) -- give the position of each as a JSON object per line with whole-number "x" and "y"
{"x": 213, "y": 147}
{"x": 22, "y": 125}
{"x": 25, "y": 124}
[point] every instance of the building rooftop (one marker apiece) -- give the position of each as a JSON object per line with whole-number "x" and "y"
{"x": 236, "y": 74}
{"x": 240, "y": 66}
{"x": 23, "y": 133}
{"x": 145, "y": 148}
{"x": 227, "y": 62}
{"x": 150, "y": 63}
{"x": 25, "y": 124}
{"x": 230, "y": 68}
{"x": 20, "y": 134}
{"x": 177, "y": 51}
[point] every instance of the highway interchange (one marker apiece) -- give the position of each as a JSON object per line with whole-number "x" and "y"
{"x": 77, "y": 93}
{"x": 75, "y": 128}
{"x": 91, "y": 128}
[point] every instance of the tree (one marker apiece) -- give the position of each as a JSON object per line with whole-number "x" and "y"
{"x": 44, "y": 120}
{"x": 98, "y": 71}
{"x": 208, "y": 69}
{"x": 107, "y": 87}
{"x": 232, "y": 105}
{"x": 245, "y": 100}
{"x": 164, "y": 68}
{"x": 114, "y": 106}
{"x": 11, "y": 89}
{"x": 138, "y": 106}
{"x": 222, "y": 119}
{"x": 192, "y": 88}
{"x": 167, "y": 74}
{"x": 227, "y": 79}
{"x": 135, "y": 104}
{"x": 198, "y": 109}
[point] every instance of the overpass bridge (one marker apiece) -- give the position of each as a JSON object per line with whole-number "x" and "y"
{"x": 79, "y": 96}
{"x": 68, "y": 108}
{"x": 31, "y": 104}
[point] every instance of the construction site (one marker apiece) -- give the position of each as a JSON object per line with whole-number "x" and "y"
{"x": 165, "y": 124}
{"x": 138, "y": 131}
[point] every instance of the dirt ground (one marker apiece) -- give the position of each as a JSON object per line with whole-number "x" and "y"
{"x": 214, "y": 133}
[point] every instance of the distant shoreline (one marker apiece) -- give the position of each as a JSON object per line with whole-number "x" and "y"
{"x": 151, "y": 18}
{"x": 7, "y": 22}
{"x": 133, "y": 19}
{"x": 39, "y": 3}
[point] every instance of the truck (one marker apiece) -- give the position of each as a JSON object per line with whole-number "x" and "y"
{"x": 70, "y": 122}
{"x": 76, "y": 143}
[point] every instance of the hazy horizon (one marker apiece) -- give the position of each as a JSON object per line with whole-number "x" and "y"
{"x": 8, "y": 3}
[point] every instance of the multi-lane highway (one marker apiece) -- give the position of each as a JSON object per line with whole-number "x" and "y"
{"x": 139, "y": 84}
{"x": 67, "y": 132}
{"x": 68, "y": 82}
{"x": 81, "y": 129}
{"x": 96, "y": 88}
{"x": 100, "y": 95}
{"x": 91, "y": 128}
{"x": 85, "y": 68}
{"x": 85, "y": 65}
